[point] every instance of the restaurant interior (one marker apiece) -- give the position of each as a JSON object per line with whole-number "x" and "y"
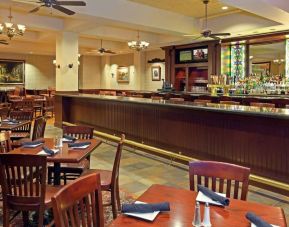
{"x": 144, "y": 113}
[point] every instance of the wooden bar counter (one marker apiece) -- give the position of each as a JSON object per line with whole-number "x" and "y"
{"x": 250, "y": 136}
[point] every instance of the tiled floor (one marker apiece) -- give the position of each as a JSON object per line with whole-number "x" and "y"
{"x": 140, "y": 170}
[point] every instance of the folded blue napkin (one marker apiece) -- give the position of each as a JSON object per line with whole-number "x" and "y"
{"x": 214, "y": 196}
{"x": 259, "y": 222}
{"x": 79, "y": 144}
{"x": 145, "y": 208}
{"x": 32, "y": 143}
{"x": 71, "y": 138}
{"x": 48, "y": 151}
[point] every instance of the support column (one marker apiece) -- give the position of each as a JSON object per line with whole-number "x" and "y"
{"x": 140, "y": 67}
{"x": 105, "y": 73}
{"x": 67, "y": 62}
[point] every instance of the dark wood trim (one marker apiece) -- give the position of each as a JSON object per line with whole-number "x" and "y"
{"x": 258, "y": 142}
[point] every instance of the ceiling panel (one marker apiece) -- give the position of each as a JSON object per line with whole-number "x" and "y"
{"x": 193, "y": 8}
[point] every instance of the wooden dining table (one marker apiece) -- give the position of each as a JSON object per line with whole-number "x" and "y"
{"x": 65, "y": 154}
{"x": 9, "y": 127}
{"x": 182, "y": 205}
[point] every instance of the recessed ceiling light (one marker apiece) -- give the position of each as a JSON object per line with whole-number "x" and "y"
{"x": 225, "y": 7}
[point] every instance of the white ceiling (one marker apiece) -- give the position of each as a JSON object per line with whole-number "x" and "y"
{"x": 161, "y": 22}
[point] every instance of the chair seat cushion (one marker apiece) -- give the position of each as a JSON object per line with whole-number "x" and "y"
{"x": 105, "y": 177}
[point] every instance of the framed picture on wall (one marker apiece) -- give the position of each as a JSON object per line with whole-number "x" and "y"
{"x": 12, "y": 71}
{"x": 123, "y": 74}
{"x": 156, "y": 73}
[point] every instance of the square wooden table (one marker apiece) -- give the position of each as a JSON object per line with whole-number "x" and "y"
{"x": 9, "y": 127}
{"x": 65, "y": 155}
{"x": 182, "y": 204}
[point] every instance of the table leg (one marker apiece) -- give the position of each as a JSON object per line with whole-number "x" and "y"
{"x": 56, "y": 172}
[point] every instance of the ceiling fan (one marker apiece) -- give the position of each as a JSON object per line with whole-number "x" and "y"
{"x": 55, "y": 4}
{"x": 102, "y": 50}
{"x": 207, "y": 33}
{"x": 4, "y": 42}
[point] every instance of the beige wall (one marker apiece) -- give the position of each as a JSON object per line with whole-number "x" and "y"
{"x": 39, "y": 70}
{"x": 139, "y": 70}
{"x": 148, "y": 83}
{"x": 89, "y": 72}
{"x": 109, "y": 72}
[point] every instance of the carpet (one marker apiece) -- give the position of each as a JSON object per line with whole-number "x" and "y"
{"x": 108, "y": 218}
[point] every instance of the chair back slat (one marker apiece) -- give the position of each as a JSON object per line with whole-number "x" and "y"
{"x": 75, "y": 205}
{"x": 236, "y": 189}
{"x": 39, "y": 128}
{"x": 214, "y": 183}
{"x": 223, "y": 175}
{"x": 79, "y": 132}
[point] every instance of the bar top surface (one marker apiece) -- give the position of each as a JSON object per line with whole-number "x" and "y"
{"x": 278, "y": 113}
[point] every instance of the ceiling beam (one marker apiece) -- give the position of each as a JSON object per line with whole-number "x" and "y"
{"x": 263, "y": 8}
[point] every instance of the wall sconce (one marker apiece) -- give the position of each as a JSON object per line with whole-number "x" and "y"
{"x": 70, "y": 65}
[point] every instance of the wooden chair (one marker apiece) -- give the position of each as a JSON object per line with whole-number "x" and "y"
{"x": 79, "y": 203}
{"x": 25, "y": 104}
{"x": 25, "y": 130}
{"x": 229, "y": 102}
{"x": 48, "y": 106}
{"x": 261, "y": 104}
{"x": 23, "y": 191}
{"x": 233, "y": 175}
{"x": 72, "y": 171}
{"x": 37, "y": 133}
{"x": 110, "y": 179}
{"x": 5, "y": 104}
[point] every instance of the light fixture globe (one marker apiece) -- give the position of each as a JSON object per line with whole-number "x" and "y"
{"x": 10, "y": 29}
{"x": 138, "y": 45}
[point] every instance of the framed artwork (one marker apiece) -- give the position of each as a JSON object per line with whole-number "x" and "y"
{"x": 12, "y": 71}
{"x": 123, "y": 74}
{"x": 261, "y": 67}
{"x": 156, "y": 73}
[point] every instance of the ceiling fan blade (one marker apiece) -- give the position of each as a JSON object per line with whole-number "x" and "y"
{"x": 35, "y": 9}
{"x": 71, "y": 3}
{"x": 63, "y": 10}
{"x": 220, "y": 34}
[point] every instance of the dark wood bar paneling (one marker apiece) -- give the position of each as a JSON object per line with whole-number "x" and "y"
{"x": 260, "y": 142}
